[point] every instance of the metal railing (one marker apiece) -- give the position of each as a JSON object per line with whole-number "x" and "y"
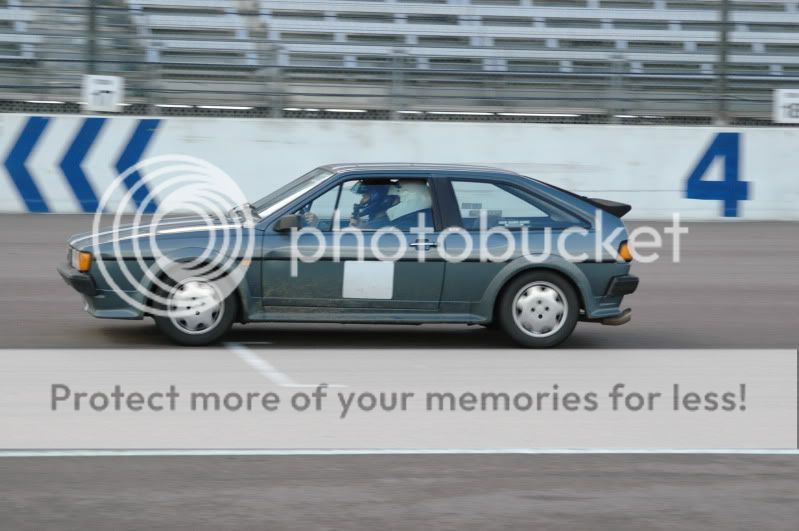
{"x": 241, "y": 68}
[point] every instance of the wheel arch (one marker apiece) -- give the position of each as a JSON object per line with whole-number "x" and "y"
{"x": 242, "y": 294}
{"x": 566, "y": 270}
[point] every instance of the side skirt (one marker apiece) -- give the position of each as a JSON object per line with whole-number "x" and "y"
{"x": 283, "y": 314}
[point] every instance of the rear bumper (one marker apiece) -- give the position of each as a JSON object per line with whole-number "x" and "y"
{"x": 609, "y": 311}
{"x": 80, "y": 282}
{"x": 622, "y": 285}
{"x": 623, "y": 318}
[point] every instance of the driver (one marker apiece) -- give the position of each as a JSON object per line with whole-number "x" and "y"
{"x": 376, "y": 199}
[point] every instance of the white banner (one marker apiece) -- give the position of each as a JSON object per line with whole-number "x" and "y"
{"x": 786, "y": 106}
{"x": 240, "y": 398}
{"x": 103, "y": 93}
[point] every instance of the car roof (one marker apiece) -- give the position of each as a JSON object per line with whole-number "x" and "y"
{"x": 405, "y": 166}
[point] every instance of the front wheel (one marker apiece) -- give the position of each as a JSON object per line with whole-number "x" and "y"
{"x": 538, "y": 309}
{"x": 196, "y": 313}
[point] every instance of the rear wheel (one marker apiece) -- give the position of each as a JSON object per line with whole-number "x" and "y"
{"x": 196, "y": 313}
{"x": 538, "y": 309}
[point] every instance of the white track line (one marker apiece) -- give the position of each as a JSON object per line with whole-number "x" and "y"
{"x": 266, "y": 369}
{"x": 355, "y": 452}
{"x": 261, "y": 365}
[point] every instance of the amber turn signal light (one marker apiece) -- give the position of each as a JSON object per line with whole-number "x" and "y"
{"x": 625, "y": 253}
{"x": 84, "y": 262}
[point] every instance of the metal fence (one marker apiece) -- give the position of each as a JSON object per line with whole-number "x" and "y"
{"x": 568, "y": 61}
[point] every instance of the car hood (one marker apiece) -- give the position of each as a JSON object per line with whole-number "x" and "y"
{"x": 179, "y": 225}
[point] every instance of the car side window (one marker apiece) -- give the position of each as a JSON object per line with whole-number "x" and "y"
{"x": 371, "y": 204}
{"x": 319, "y": 212}
{"x": 503, "y": 206}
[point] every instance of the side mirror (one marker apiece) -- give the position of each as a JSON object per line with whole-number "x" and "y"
{"x": 288, "y": 222}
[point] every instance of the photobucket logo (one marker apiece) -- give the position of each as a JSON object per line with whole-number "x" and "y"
{"x": 487, "y": 243}
{"x": 140, "y": 260}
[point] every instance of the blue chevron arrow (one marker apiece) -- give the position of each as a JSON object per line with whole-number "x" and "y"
{"x": 73, "y": 157}
{"x": 131, "y": 155}
{"x": 15, "y": 164}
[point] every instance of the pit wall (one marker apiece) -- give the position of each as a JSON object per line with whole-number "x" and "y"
{"x": 64, "y": 163}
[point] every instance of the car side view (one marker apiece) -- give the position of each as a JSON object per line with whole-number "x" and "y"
{"x": 372, "y": 243}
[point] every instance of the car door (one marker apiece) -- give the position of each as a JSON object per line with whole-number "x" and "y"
{"x": 335, "y": 264}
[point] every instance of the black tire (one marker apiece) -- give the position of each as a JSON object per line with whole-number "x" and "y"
{"x": 222, "y": 324}
{"x": 553, "y": 287}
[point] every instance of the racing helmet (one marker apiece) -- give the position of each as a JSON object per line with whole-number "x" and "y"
{"x": 413, "y": 197}
{"x": 380, "y": 196}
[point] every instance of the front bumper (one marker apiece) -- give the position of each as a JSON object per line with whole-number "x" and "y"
{"x": 80, "y": 282}
{"x": 101, "y": 303}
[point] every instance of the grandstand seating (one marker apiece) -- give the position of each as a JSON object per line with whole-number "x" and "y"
{"x": 181, "y": 31}
{"x": 590, "y": 49}
{"x": 581, "y": 56}
{"x": 577, "y": 35}
{"x": 15, "y": 41}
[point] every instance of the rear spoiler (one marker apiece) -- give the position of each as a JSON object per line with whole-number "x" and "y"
{"x": 611, "y": 207}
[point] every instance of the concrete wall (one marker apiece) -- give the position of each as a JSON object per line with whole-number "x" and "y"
{"x": 58, "y": 163}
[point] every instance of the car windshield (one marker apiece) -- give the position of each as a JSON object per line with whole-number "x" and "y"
{"x": 287, "y": 193}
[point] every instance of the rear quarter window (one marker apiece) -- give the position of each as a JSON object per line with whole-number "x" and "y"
{"x": 504, "y": 205}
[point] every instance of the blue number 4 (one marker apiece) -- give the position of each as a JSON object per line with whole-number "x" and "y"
{"x": 731, "y": 189}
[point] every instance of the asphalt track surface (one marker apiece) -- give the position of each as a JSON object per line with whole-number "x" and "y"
{"x": 736, "y": 286}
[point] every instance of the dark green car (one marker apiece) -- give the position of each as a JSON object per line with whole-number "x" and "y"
{"x": 371, "y": 243}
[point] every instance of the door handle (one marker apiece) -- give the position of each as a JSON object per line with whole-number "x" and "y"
{"x": 426, "y": 244}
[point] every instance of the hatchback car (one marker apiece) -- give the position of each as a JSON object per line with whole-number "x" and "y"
{"x": 373, "y": 243}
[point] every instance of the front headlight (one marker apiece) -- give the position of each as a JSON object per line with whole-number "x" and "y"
{"x": 82, "y": 261}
